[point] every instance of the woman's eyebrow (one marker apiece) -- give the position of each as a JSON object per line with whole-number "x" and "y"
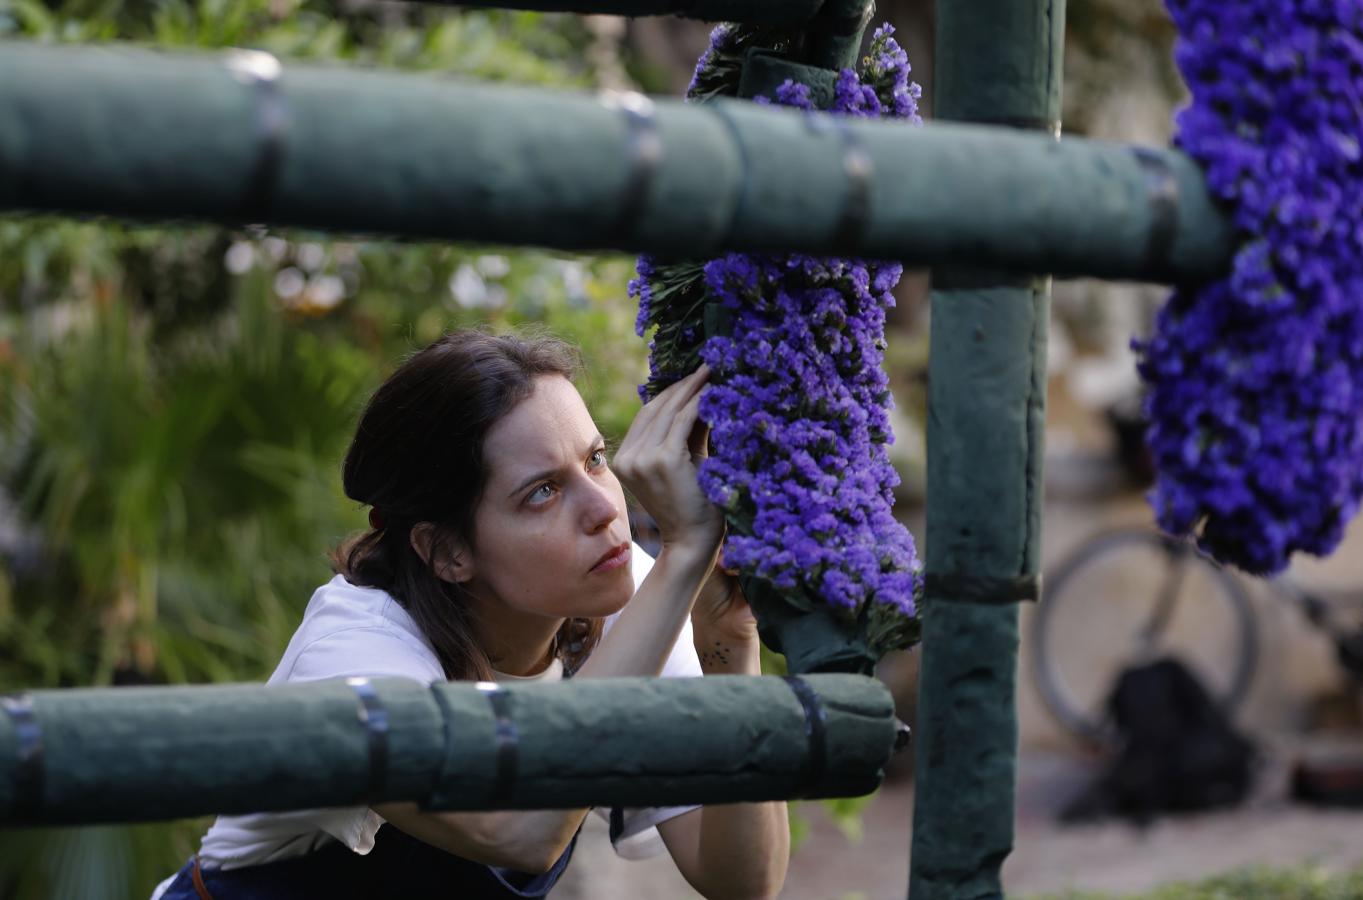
{"x": 540, "y": 476}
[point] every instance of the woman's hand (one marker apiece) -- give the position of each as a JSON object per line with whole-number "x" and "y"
{"x": 657, "y": 462}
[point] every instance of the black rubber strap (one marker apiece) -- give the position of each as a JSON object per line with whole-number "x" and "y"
{"x": 644, "y": 152}
{"x": 815, "y": 727}
{"x": 28, "y": 773}
{"x": 507, "y": 738}
{"x": 617, "y": 824}
{"x": 374, "y": 717}
{"x": 961, "y": 588}
{"x": 1162, "y": 192}
{"x": 903, "y": 735}
{"x": 859, "y": 171}
{"x": 745, "y": 167}
{"x": 1022, "y": 123}
{"x": 856, "y": 208}
{"x": 261, "y": 71}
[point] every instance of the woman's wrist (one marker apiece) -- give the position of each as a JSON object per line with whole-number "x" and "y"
{"x": 688, "y": 555}
{"x": 722, "y": 652}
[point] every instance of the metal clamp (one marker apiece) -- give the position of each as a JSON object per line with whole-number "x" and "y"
{"x": 644, "y": 150}
{"x": 859, "y": 171}
{"x": 374, "y": 717}
{"x": 262, "y": 70}
{"x": 720, "y": 109}
{"x": 508, "y": 740}
{"x": 1162, "y": 194}
{"x": 28, "y": 773}
{"x": 962, "y": 588}
{"x": 816, "y": 722}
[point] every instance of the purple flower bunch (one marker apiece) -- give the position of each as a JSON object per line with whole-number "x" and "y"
{"x": 1255, "y": 380}
{"x": 798, "y": 401}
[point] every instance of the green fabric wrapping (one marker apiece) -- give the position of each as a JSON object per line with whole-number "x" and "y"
{"x": 654, "y": 742}
{"x": 986, "y": 411}
{"x": 1000, "y": 61}
{"x": 817, "y": 639}
{"x": 833, "y": 39}
{"x": 766, "y": 70}
{"x": 137, "y": 134}
{"x": 135, "y": 754}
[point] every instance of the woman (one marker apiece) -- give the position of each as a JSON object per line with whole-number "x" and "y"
{"x": 500, "y": 550}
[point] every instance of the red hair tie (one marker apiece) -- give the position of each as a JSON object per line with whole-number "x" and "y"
{"x": 376, "y": 519}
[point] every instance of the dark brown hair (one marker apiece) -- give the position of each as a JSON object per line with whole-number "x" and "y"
{"x": 417, "y": 456}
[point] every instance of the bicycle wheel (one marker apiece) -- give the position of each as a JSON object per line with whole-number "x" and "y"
{"x": 1128, "y": 597}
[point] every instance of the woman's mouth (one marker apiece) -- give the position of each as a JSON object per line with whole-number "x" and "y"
{"x": 617, "y": 557}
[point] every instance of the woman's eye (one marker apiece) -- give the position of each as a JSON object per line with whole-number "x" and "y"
{"x": 541, "y": 493}
{"x": 598, "y": 458}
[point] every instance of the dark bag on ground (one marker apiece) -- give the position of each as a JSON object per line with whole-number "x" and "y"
{"x": 1177, "y": 750}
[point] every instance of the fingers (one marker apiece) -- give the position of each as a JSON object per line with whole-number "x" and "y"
{"x": 679, "y": 393}
{"x": 684, "y": 424}
{"x": 699, "y": 440}
{"x": 652, "y": 423}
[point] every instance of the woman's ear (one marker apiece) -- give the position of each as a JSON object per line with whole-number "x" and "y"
{"x": 448, "y": 557}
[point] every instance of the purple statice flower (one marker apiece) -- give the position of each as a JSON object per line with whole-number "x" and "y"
{"x": 1255, "y": 379}
{"x": 722, "y": 39}
{"x": 792, "y": 93}
{"x": 799, "y": 402}
{"x": 641, "y": 288}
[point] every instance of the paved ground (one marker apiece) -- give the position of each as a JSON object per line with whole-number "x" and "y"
{"x": 1047, "y": 857}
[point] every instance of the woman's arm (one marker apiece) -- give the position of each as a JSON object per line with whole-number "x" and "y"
{"x": 735, "y": 851}
{"x": 638, "y": 644}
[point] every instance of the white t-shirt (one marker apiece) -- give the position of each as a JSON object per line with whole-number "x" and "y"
{"x": 350, "y": 631}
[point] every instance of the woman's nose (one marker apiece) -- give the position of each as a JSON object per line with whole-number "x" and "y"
{"x": 600, "y": 507}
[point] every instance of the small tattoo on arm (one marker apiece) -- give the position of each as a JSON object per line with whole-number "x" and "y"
{"x": 716, "y": 655}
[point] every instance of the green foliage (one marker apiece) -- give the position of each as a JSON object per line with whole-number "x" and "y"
{"x": 175, "y": 401}
{"x": 1297, "y": 883}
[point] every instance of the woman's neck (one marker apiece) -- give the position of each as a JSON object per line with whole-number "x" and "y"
{"x": 517, "y": 643}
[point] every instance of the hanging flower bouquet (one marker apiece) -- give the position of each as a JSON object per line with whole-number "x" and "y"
{"x": 798, "y": 403}
{"x": 1255, "y": 380}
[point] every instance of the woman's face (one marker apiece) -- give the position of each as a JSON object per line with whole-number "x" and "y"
{"x": 551, "y": 509}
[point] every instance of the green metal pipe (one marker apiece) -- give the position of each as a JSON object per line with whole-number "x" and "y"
{"x": 130, "y": 133}
{"x": 998, "y": 61}
{"x": 133, "y": 754}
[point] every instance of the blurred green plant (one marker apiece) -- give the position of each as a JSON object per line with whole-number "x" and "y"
{"x": 175, "y": 402}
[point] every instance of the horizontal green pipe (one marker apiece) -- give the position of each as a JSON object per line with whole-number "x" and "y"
{"x": 753, "y": 12}
{"x": 143, "y": 135}
{"x": 135, "y": 754}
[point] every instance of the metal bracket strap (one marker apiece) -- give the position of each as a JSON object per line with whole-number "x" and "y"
{"x": 859, "y": 170}
{"x": 740, "y": 207}
{"x": 815, "y": 728}
{"x": 644, "y": 156}
{"x": 262, "y": 70}
{"x": 508, "y": 740}
{"x": 374, "y": 717}
{"x": 962, "y": 588}
{"x": 28, "y": 774}
{"x": 1162, "y": 193}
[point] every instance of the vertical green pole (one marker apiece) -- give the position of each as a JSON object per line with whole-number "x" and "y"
{"x": 998, "y": 62}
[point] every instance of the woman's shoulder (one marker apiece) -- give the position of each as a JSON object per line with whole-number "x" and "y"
{"x": 349, "y": 631}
